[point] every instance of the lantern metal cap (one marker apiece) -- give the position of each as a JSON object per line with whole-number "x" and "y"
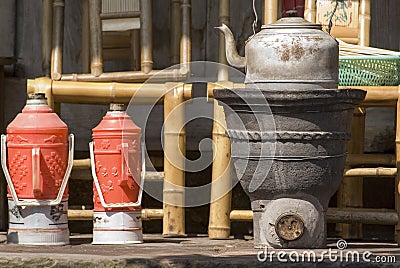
{"x": 36, "y": 99}
{"x": 117, "y": 107}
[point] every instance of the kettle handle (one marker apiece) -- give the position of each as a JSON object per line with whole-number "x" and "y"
{"x": 36, "y": 202}
{"x": 98, "y": 188}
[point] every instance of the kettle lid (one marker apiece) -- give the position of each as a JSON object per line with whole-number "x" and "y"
{"x": 292, "y": 22}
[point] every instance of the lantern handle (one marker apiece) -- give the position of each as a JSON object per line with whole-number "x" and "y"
{"x": 36, "y": 179}
{"x": 36, "y": 202}
{"x": 98, "y": 188}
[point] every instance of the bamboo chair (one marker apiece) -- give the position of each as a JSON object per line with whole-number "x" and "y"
{"x": 111, "y": 31}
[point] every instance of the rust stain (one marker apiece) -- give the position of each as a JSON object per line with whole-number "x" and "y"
{"x": 285, "y": 52}
{"x": 297, "y": 51}
{"x": 285, "y": 56}
{"x": 294, "y": 49}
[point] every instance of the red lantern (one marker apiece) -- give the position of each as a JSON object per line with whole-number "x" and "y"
{"x": 118, "y": 179}
{"x": 37, "y": 162}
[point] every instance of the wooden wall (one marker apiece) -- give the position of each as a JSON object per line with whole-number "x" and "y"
{"x": 7, "y": 27}
{"x": 385, "y": 24}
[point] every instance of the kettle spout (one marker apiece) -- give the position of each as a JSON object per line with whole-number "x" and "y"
{"x": 232, "y": 55}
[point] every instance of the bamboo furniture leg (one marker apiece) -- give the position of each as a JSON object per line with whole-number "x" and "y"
{"x": 174, "y": 161}
{"x": 350, "y": 193}
{"x": 270, "y": 11}
{"x": 174, "y": 215}
{"x": 310, "y": 10}
{"x": 223, "y": 18}
{"x": 146, "y": 34}
{"x": 96, "y": 41}
{"x": 85, "y": 37}
{"x": 365, "y": 19}
{"x": 47, "y": 24}
{"x": 186, "y": 43}
{"x": 221, "y": 195}
{"x": 135, "y": 47}
{"x": 219, "y": 226}
{"x": 176, "y": 31}
{"x": 58, "y": 39}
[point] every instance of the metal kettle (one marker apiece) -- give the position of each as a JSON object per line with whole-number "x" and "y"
{"x": 290, "y": 53}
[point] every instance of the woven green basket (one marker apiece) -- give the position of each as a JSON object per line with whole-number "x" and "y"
{"x": 369, "y": 70}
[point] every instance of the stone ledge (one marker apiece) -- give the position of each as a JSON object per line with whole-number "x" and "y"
{"x": 163, "y": 252}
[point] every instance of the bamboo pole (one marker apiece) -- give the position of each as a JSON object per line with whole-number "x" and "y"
{"x": 223, "y": 18}
{"x": 96, "y": 42}
{"x": 371, "y": 159}
{"x": 87, "y": 215}
{"x": 379, "y": 96}
{"x": 310, "y": 10}
{"x": 47, "y": 23}
{"x": 85, "y": 163}
{"x": 58, "y": 39}
{"x": 221, "y": 195}
{"x": 370, "y": 172}
{"x": 130, "y": 76}
{"x": 150, "y": 175}
{"x": 100, "y": 93}
{"x": 350, "y": 193}
{"x": 81, "y": 163}
{"x": 340, "y": 215}
{"x": 135, "y": 47}
{"x": 120, "y": 15}
{"x": 241, "y": 215}
{"x": 176, "y": 31}
{"x": 174, "y": 161}
{"x": 365, "y": 20}
{"x": 146, "y": 34}
{"x": 186, "y": 43}
{"x": 65, "y": 90}
{"x": 358, "y": 49}
{"x": 85, "y": 37}
{"x": 364, "y": 215}
{"x": 397, "y": 180}
{"x": 270, "y": 11}
{"x": 152, "y": 214}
